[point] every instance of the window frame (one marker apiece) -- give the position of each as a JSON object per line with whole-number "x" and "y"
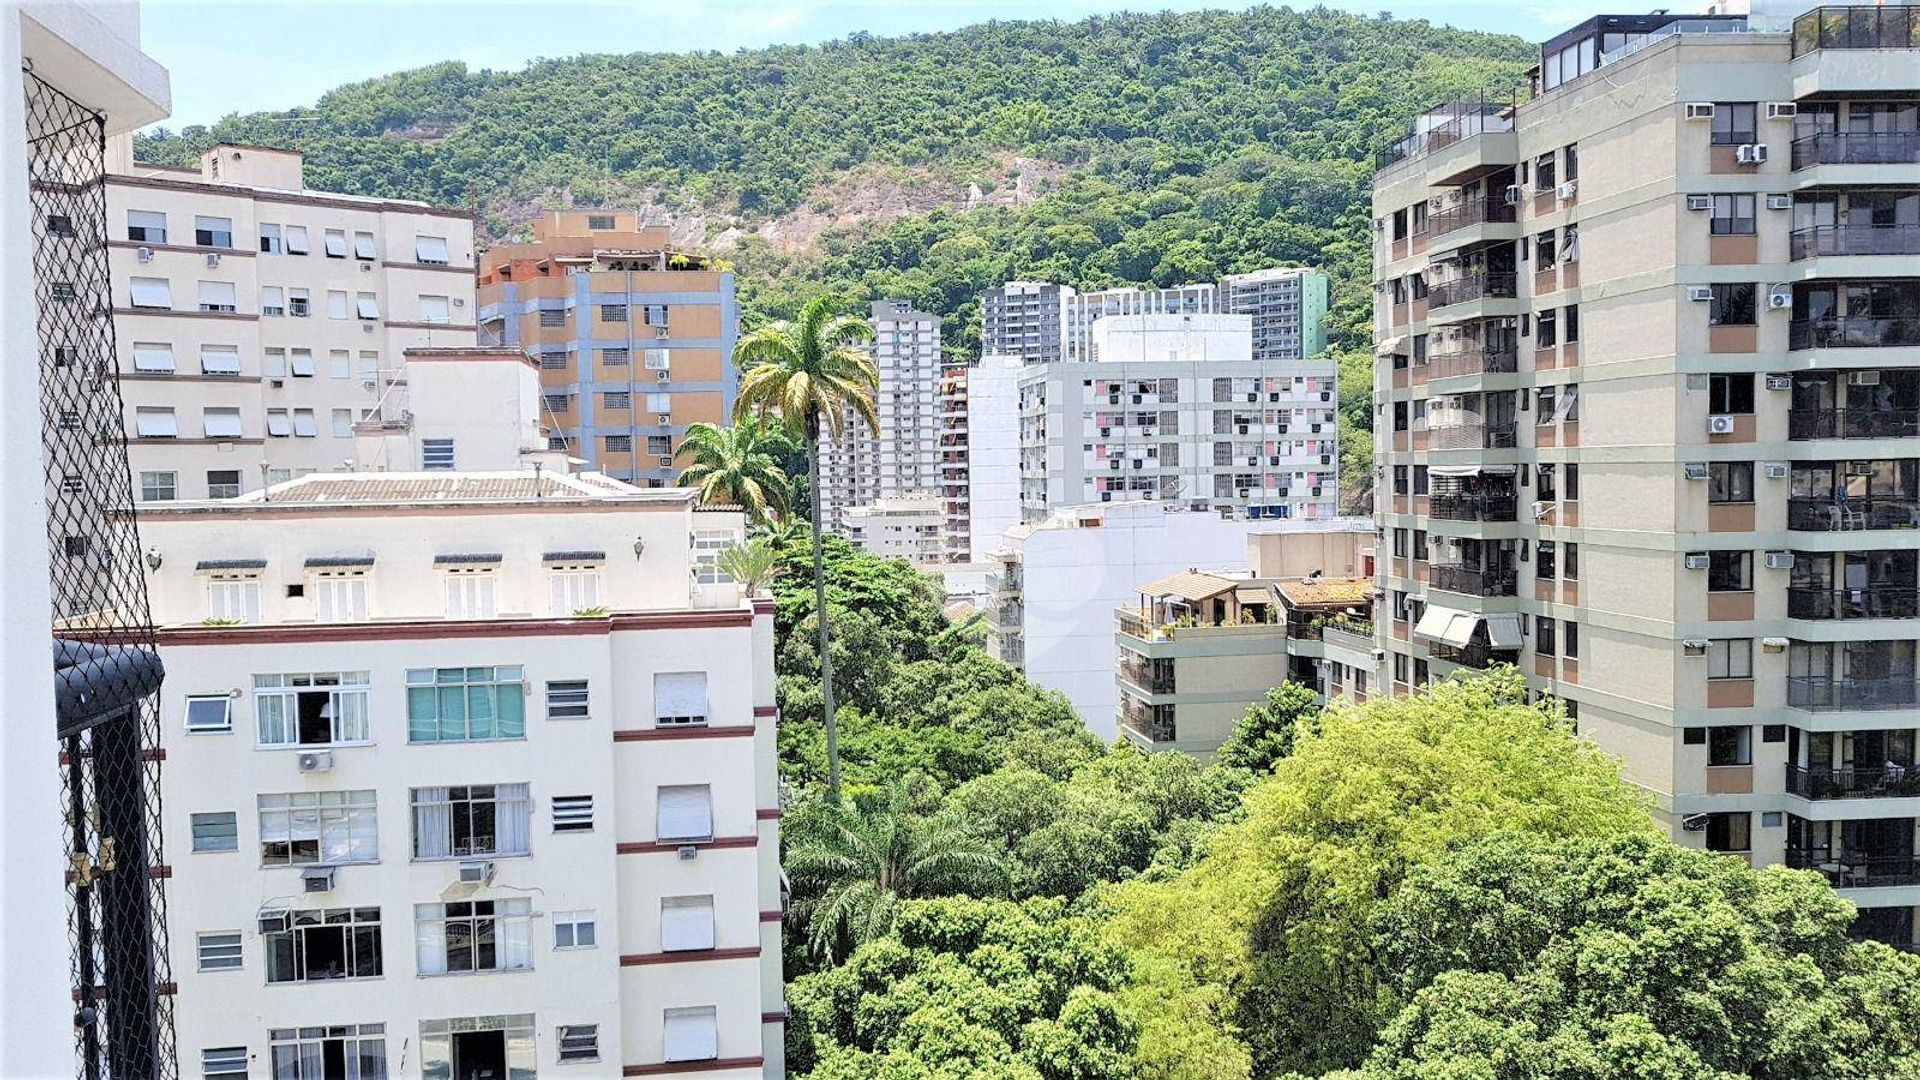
{"x": 227, "y": 947}
{"x": 1731, "y": 657}
{"x": 498, "y": 683}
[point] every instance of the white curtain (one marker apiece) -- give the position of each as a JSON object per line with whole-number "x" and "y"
{"x": 350, "y": 716}
{"x": 271, "y": 712}
{"x": 513, "y": 816}
{"x": 430, "y": 939}
{"x": 516, "y": 934}
{"x": 432, "y": 823}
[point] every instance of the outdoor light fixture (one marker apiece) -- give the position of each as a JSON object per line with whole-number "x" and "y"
{"x": 153, "y": 558}
{"x": 639, "y": 546}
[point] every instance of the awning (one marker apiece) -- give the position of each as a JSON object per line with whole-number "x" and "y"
{"x": 1503, "y": 631}
{"x": 1470, "y": 470}
{"x": 1391, "y": 346}
{"x": 468, "y": 557}
{"x": 1253, "y": 594}
{"x": 332, "y": 561}
{"x": 1447, "y": 625}
{"x": 1191, "y": 586}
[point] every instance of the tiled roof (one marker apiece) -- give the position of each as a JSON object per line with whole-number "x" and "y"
{"x": 1190, "y": 585}
{"x": 436, "y": 487}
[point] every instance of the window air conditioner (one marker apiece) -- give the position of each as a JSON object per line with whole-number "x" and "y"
{"x": 1541, "y": 508}
{"x": 275, "y": 921}
{"x": 1695, "y": 470}
{"x": 1512, "y": 195}
{"x": 1779, "y": 382}
{"x": 1695, "y": 822}
{"x": 1567, "y": 189}
{"x": 666, "y": 462}
{"x": 317, "y": 878}
{"x": 1863, "y": 378}
{"x": 1779, "y": 301}
{"x": 366, "y": 268}
{"x": 663, "y": 376}
{"x": 661, "y": 332}
{"x": 145, "y": 254}
{"x": 1696, "y": 560}
{"x": 459, "y": 301}
{"x": 1700, "y": 293}
{"x": 1779, "y": 560}
{"x": 663, "y": 419}
{"x": 1695, "y": 646}
{"x": 1779, "y": 202}
{"x": 1775, "y": 470}
{"x": 1719, "y": 425}
{"x": 367, "y": 327}
{"x": 479, "y": 872}
{"x": 1699, "y": 202}
{"x": 213, "y": 258}
{"x": 1782, "y": 110}
{"x": 1751, "y": 153}
{"x": 1699, "y": 110}
{"x": 689, "y": 851}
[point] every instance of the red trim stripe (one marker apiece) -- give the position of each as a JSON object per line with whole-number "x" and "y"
{"x": 766, "y": 710}
{"x": 725, "y": 731}
{"x": 771, "y": 916}
{"x": 710, "y": 1065}
{"x": 691, "y": 956}
{"x": 649, "y": 847}
{"x": 774, "y": 1017}
{"x": 767, "y": 815}
{"x": 450, "y": 628}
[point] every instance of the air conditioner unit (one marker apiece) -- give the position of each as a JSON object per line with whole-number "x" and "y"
{"x": 1699, "y": 110}
{"x": 663, "y": 418}
{"x": 478, "y": 872}
{"x": 277, "y": 383}
{"x": 1699, "y": 202}
{"x": 1863, "y": 378}
{"x": 1751, "y": 153}
{"x": 1779, "y": 202}
{"x": 1779, "y": 560}
{"x": 661, "y": 332}
{"x": 1782, "y": 110}
{"x": 459, "y": 301}
{"x": 1512, "y": 195}
{"x": 1696, "y": 646}
{"x": 1779, "y": 382}
{"x": 689, "y": 851}
{"x": 666, "y": 462}
{"x": 1567, "y": 189}
{"x": 213, "y": 258}
{"x": 1379, "y": 224}
{"x": 1695, "y": 822}
{"x": 1779, "y": 301}
{"x": 275, "y": 921}
{"x": 317, "y": 878}
{"x": 1696, "y": 560}
{"x": 662, "y": 376}
{"x": 1541, "y": 508}
{"x": 1700, "y": 293}
{"x": 1379, "y": 655}
{"x": 1695, "y": 470}
{"x": 366, "y": 268}
{"x": 316, "y": 761}
{"x": 144, "y": 254}
{"x": 1775, "y": 470}
{"x": 1719, "y": 425}
{"x": 366, "y": 327}
{"x": 1773, "y": 644}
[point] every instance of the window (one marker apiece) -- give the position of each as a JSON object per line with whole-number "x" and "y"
{"x": 1570, "y": 639}
{"x": 567, "y": 699}
{"x": 573, "y": 813}
{"x": 436, "y": 454}
{"x": 342, "y": 423}
{"x": 1733, "y": 123}
{"x": 573, "y": 589}
{"x": 219, "y": 360}
{"x": 558, "y": 402}
{"x": 658, "y": 359}
{"x": 336, "y": 244}
{"x": 1571, "y": 490}
{"x": 1545, "y": 172}
{"x": 220, "y": 423}
{"x": 273, "y": 363}
{"x": 680, "y": 697}
{"x": 312, "y": 708}
{"x": 273, "y": 300}
{"x": 217, "y": 296}
{"x": 574, "y": 930}
{"x": 297, "y": 240}
{"x": 363, "y": 246}
{"x": 616, "y": 399}
{"x": 474, "y": 935}
{"x": 660, "y": 445}
{"x": 707, "y": 546}
{"x": 1729, "y": 571}
{"x": 691, "y": 1034}
{"x": 1572, "y": 153}
{"x": 660, "y": 404}
{"x": 1733, "y": 215}
{"x": 336, "y": 304}
{"x": 159, "y": 486}
{"x": 340, "y": 595}
{"x": 1732, "y": 305}
{"x": 1730, "y": 658}
{"x": 279, "y": 425}
{"x": 599, "y": 221}
{"x": 1730, "y": 831}
{"x": 300, "y": 363}
{"x": 152, "y": 356}
{"x": 1544, "y": 559}
{"x": 339, "y": 364}
{"x": 365, "y": 306}
{"x": 209, "y": 712}
{"x": 215, "y": 831}
{"x": 219, "y": 950}
{"x": 1570, "y": 324}
{"x": 1544, "y": 638}
{"x": 1730, "y": 393}
{"x": 684, "y": 812}
{"x": 552, "y": 317}
{"x": 146, "y": 227}
{"x": 150, "y": 423}
{"x": 471, "y": 820}
{"x": 221, "y": 1061}
{"x": 470, "y": 592}
{"x": 1546, "y": 327}
{"x": 233, "y": 598}
{"x": 431, "y": 250}
{"x": 323, "y": 944}
{"x": 1543, "y": 251}
{"x": 357, "y": 1051}
{"x": 686, "y": 923}
{"x": 1730, "y": 745}
{"x": 613, "y": 313}
{"x": 307, "y": 828}
{"x": 223, "y": 483}
{"x": 213, "y": 231}
{"x": 579, "y": 1042}
{"x": 435, "y": 309}
{"x": 655, "y": 315}
{"x": 466, "y": 704}
{"x": 1730, "y": 482}
{"x": 270, "y": 240}
{"x": 150, "y": 292}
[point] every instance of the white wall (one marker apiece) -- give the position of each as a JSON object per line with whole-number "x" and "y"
{"x": 993, "y": 452}
{"x": 1124, "y": 338}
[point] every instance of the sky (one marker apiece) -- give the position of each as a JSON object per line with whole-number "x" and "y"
{"x": 250, "y": 55}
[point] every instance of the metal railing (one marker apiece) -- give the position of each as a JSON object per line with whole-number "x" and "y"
{"x": 1475, "y": 655}
{"x": 1130, "y": 622}
{"x": 1852, "y": 782}
{"x": 1472, "y": 581}
{"x": 1856, "y": 148}
{"x": 1153, "y": 723}
{"x": 1473, "y": 360}
{"x": 1480, "y": 507}
{"x": 1853, "y": 332}
{"x": 1853, "y": 423}
{"x": 1485, "y": 210}
{"x": 1817, "y": 692}
{"x": 1820, "y": 240}
{"x": 1819, "y": 513}
{"x": 1354, "y": 634}
{"x": 1481, "y": 286}
{"x": 1473, "y": 437}
{"x": 1856, "y": 27}
{"x": 1853, "y": 870}
{"x": 1449, "y": 123}
{"x": 1874, "y": 602}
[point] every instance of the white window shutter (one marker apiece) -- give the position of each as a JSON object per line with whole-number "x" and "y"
{"x": 219, "y": 360}
{"x": 297, "y": 240}
{"x": 152, "y": 357}
{"x": 156, "y": 423}
{"x": 679, "y": 694}
{"x": 431, "y": 249}
{"x": 151, "y": 292}
{"x": 686, "y": 922}
{"x": 303, "y": 362}
{"x": 685, "y": 812}
{"x": 221, "y": 423}
{"x": 692, "y": 1034}
{"x": 435, "y": 309}
{"x": 216, "y": 294}
{"x": 367, "y": 307}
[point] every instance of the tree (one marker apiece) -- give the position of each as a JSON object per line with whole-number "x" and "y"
{"x": 735, "y": 466}
{"x": 812, "y": 373}
{"x": 752, "y": 563}
{"x": 1268, "y": 730}
{"x": 853, "y": 864}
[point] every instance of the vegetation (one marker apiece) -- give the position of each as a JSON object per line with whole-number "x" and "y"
{"x": 738, "y": 465}
{"x": 752, "y": 563}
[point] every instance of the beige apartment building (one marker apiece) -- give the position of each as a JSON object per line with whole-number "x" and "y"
{"x": 260, "y": 322}
{"x": 1648, "y": 400}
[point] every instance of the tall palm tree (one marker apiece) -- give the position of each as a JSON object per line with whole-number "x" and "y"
{"x": 736, "y": 466}
{"x": 812, "y": 373}
{"x": 855, "y": 862}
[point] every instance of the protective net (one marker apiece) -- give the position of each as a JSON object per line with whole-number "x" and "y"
{"x": 106, "y": 668}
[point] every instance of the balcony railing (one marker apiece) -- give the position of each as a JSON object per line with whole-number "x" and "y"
{"x": 1354, "y": 634}
{"x": 1855, "y": 240}
{"x": 1472, "y": 581}
{"x": 1819, "y": 513}
{"x": 1860, "y": 27}
{"x": 1155, "y": 724}
{"x": 1473, "y": 437}
{"x": 1853, "y": 782}
{"x": 1857, "y": 148}
{"x": 1130, "y": 622}
{"x": 1483, "y": 286}
{"x": 1471, "y": 212}
{"x": 1474, "y": 507}
{"x": 1853, "y": 870}
{"x": 1475, "y": 655}
{"x": 1875, "y": 602}
{"x": 1853, "y": 332}
{"x": 1817, "y": 692}
{"x": 1853, "y": 423}
{"x": 1474, "y": 360}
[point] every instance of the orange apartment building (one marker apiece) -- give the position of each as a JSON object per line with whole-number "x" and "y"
{"x": 635, "y": 340}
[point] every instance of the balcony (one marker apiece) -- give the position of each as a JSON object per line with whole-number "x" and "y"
{"x": 1853, "y": 782}
{"x": 1475, "y": 360}
{"x": 1857, "y": 148}
{"x": 1153, "y": 723}
{"x": 1147, "y": 675}
{"x": 1854, "y": 870}
{"x": 1476, "y": 655}
{"x": 1473, "y": 437}
{"x": 1474, "y": 507}
{"x": 1874, "y": 602}
{"x": 1853, "y": 332}
{"x": 1822, "y": 692}
{"x": 1820, "y": 513}
{"x": 1821, "y": 240}
{"x": 1482, "y": 286}
{"x": 1354, "y": 635}
{"x": 1482, "y": 211}
{"x": 1473, "y": 581}
{"x": 1853, "y": 423}
{"x": 1856, "y": 27}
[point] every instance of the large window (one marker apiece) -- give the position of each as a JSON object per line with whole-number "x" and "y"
{"x": 469, "y": 821}
{"x": 334, "y": 1052}
{"x": 573, "y": 588}
{"x": 1734, "y": 123}
{"x": 1730, "y": 745}
{"x": 1733, "y": 215}
{"x": 1732, "y": 304}
{"x": 680, "y": 698}
{"x": 317, "y": 709}
{"x": 1730, "y": 393}
{"x": 466, "y": 704}
{"x": 474, "y": 935}
{"x": 1730, "y": 832}
{"x": 1730, "y": 482}
{"x": 1730, "y": 658}
{"x": 1729, "y": 571}
{"x": 331, "y": 943}
{"x": 304, "y": 828}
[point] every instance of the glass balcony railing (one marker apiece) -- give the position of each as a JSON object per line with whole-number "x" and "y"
{"x": 1853, "y": 332}
{"x": 1476, "y": 655}
{"x": 1853, "y": 423}
{"x": 1473, "y": 360}
{"x": 1821, "y": 692}
{"x": 1875, "y": 602}
{"x": 1482, "y": 286}
{"x": 1482, "y": 211}
{"x": 1472, "y": 581}
{"x": 1853, "y": 782}
{"x": 1822, "y": 240}
{"x": 1855, "y": 870}
{"x": 1819, "y": 513}
{"x": 1856, "y": 27}
{"x": 1856, "y": 148}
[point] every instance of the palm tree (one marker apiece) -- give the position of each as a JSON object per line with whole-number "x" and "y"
{"x": 812, "y": 373}
{"x": 858, "y": 861}
{"x": 736, "y": 466}
{"x": 752, "y": 564}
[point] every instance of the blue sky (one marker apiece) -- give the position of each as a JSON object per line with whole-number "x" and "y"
{"x": 245, "y": 55}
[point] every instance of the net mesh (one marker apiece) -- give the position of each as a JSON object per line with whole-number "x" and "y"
{"x": 106, "y": 665}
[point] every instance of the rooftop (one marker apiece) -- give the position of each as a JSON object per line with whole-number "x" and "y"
{"x": 434, "y": 488}
{"x": 1322, "y": 591}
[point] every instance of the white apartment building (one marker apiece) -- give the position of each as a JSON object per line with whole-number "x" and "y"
{"x": 468, "y": 774}
{"x": 1175, "y": 410}
{"x": 902, "y": 459}
{"x": 992, "y": 452}
{"x": 1288, "y": 305}
{"x": 910, "y": 529}
{"x": 259, "y": 321}
{"x": 1043, "y": 322}
{"x": 1083, "y": 309}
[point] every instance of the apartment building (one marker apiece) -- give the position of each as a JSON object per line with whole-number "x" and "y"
{"x": 1289, "y": 309}
{"x": 1083, "y": 309}
{"x": 1175, "y": 410}
{"x": 635, "y": 340}
{"x": 913, "y": 529}
{"x": 902, "y": 459}
{"x": 258, "y": 321}
{"x": 1647, "y": 419}
{"x": 992, "y": 436}
{"x": 469, "y": 774}
{"x": 1027, "y": 319}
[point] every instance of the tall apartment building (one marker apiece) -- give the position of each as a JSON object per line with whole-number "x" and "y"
{"x": 1289, "y": 309}
{"x": 635, "y": 340}
{"x": 1175, "y": 410}
{"x": 955, "y": 494}
{"x": 1648, "y": 411}
{"x": 468, "y": 774}
{"x": 993, "y": 452}
{"x": 1027, "y": 319}
{"x": 902, "y": 459}
{"x": 258, "y": 322}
